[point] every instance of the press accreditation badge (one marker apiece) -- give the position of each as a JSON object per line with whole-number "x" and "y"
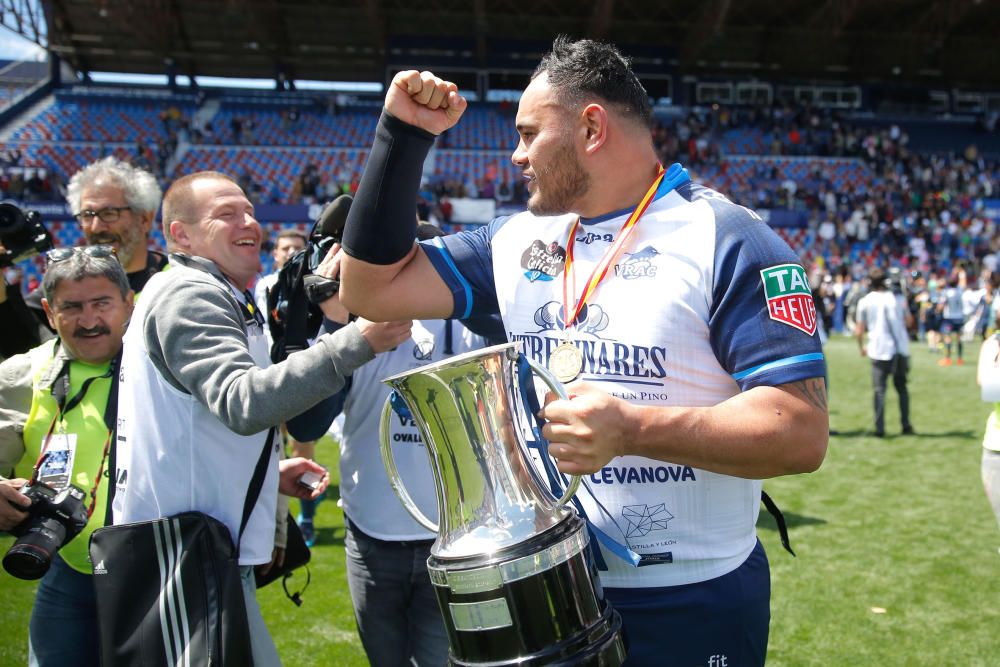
{"x": 57, "y": 467}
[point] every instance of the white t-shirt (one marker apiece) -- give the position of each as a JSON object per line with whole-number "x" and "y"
{"x": 883, "y": 314}
{"x": 260, "y": 299}
{"x": 368, "y": 498}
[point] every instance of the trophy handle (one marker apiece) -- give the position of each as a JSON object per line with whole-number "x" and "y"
{"x": 390, "y": 468}
{"x": 556, "y": 386}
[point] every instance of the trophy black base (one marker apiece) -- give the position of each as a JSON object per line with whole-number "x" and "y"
{"x": 536, "y": 603}
{"x": 602, "y": 647}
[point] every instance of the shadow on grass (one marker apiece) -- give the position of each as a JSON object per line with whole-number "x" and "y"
{"x": 327, "y": 535}
{"x": 766, "y": 521}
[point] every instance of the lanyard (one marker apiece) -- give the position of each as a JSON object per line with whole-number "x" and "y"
{"x": 60, "y": 389}
{"x": 250, "y": 311}
{"x": 602, "y": 267}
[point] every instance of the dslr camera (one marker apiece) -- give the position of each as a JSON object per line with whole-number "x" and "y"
{"x": 54, "y": 518}
{"x": 293, "y": 313}
{"x": 22, "y": 234}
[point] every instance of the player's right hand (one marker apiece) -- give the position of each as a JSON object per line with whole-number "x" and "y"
{"x": 425, "y": 101}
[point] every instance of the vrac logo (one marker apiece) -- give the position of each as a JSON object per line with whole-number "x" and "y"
{"x": 638, "y": 264}
{"x": 789, "y": 299}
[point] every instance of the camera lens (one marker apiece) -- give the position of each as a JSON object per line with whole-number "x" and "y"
{"x": 11, "y": 219}
{"x": 31, "y": 555}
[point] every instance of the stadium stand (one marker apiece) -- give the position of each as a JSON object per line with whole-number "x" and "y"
{"x": 811, "y": 169}
{"x": 9, "y": 93}
{"x": 79, "y": 117}
{"x": 294, "y": 127}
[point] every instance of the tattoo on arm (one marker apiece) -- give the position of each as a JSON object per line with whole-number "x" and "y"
{"x": 812, "y": 390}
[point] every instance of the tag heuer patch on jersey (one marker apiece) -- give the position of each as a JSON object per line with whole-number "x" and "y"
{"x": 789, "y": 299}
{"x": 543, "y": 262}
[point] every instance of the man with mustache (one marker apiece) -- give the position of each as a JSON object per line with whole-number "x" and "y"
{"x": 114, "y": 203}
{"x": 54, "y": 398}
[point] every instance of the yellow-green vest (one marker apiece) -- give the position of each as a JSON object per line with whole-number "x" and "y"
{"x": 86, "y": 420}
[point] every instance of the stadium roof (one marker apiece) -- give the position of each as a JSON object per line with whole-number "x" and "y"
{"x": 943, "y": 43}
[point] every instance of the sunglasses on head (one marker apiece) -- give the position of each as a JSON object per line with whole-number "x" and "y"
{"x": 60, "y": 254}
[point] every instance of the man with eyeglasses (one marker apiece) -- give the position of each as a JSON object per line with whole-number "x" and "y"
{"x": 55, "y": 398}
{"x": 115, "y": 204}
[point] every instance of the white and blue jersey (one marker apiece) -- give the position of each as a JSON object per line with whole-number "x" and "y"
{"x": 368, "y": 498}
{"x": 704, "y": 302}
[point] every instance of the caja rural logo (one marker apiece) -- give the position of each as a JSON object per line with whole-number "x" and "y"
{"x": 789, "y": 299}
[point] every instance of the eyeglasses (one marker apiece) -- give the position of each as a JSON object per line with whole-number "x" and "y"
{"x": 61, "y": 254}
{"x": 107, "y": 214}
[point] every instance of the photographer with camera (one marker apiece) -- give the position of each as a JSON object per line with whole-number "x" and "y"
{"x": 22, "y": 235}
{"x": 397, "y": 613}
{"x": 291, "y": 297}
{"x": 55, "y": 430}
{"x": 115, "y": 204}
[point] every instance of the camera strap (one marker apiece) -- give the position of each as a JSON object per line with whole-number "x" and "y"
{"x": 60, "y": 391}
{"x": 256, "y": 484}
{"x": 60, "y": 388}
{"x": 111, "y": 421}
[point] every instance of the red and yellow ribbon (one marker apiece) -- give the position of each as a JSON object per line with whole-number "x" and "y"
{"x": 604, "y": 265}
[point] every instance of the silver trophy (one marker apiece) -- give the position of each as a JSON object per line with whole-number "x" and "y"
{"x": 511, "y": 565}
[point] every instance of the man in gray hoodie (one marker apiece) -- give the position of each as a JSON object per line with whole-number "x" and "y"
{"x": 198, "y": 391}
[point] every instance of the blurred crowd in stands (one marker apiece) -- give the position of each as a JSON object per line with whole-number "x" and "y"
{"x": 27, "y": 183}
{"x": 879, "y": 203}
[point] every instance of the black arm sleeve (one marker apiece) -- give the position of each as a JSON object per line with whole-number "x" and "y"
{"x": 382, "y": 222}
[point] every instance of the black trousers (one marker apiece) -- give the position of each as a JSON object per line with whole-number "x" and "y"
{"x": 897, "y": 368}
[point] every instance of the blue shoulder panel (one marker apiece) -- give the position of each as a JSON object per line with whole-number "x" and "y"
{"x": 755, "y": 347}
{"x": 465, "y": 263}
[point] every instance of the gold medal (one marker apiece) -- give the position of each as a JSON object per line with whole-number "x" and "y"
{"x": 566, "y": 361}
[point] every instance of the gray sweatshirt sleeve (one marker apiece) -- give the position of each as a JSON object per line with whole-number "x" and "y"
{"x": 195, "y": 337}
{"x": 15, "y": 403}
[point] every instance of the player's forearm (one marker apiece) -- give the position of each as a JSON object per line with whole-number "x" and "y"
{"x": 761, "y": 433}
{"x": 381, "y": 225}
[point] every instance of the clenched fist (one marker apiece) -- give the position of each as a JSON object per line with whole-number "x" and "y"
{"x": 425, "y": 101}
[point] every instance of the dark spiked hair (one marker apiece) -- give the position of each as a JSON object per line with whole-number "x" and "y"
{"x": 582, "y": 69}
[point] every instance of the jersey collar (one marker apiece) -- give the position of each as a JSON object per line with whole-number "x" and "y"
{"x": 675, "y": 177}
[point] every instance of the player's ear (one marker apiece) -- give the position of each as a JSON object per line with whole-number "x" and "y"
{"x": 594, "y": 125}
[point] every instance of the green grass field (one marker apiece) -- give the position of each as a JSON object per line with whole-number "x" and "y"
{"x": 897, "y": 548}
